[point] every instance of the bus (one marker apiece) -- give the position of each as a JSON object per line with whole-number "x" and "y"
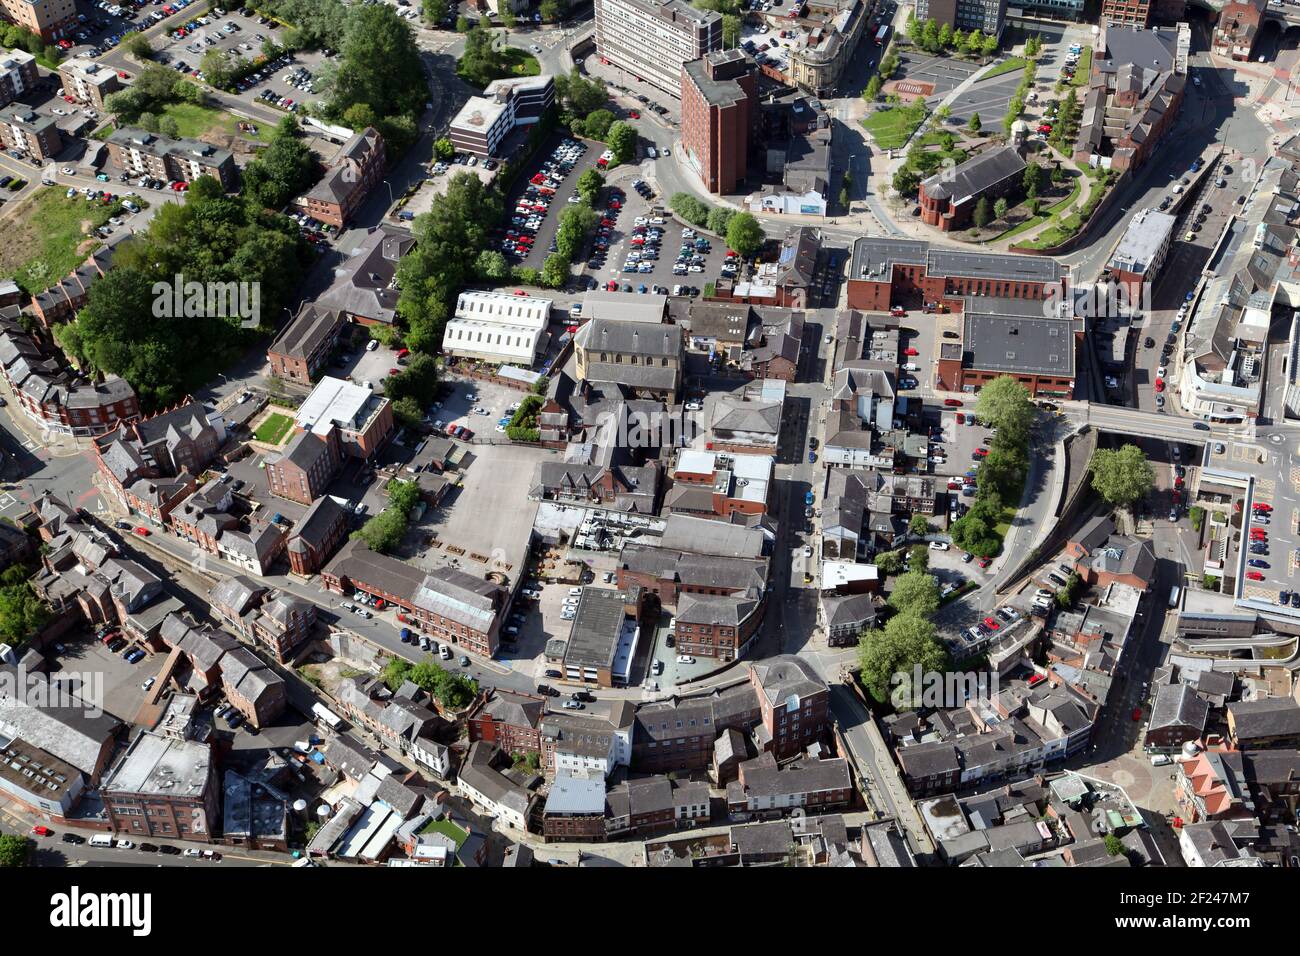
{"x": 881, "y": 34}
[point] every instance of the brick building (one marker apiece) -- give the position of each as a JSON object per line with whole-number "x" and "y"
{"x": 50, "y": 19}
{"x": 1237, "y": 29}
{"x": 719, "y": 115}
{"x": 510, "y": 720}
{"x": 317, "y": 535}
{"x": 142, "y": 153}
{"x": 17, "y": 75}
{"x": 163, "y": 787}
{"x": 447, "y": 603}
{"x": 301, "y": 472}
{"x": 87, "y": 81}
{"x": 1008, "y": 337}
{"x": 909, "y": 272}
{"x": 301, "y": 350}
{"x": 23, "y": 129}
{"x": 948, "y": 198}
{"x": 356, "y": 170}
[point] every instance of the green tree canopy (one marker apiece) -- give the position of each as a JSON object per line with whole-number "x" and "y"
{"x": 744, "y": 234}
{"x": 891, "y": 654}
{"x": 915, "y": 592}
{"x": 1005, "y": 405}
{"x": 15, "y": 850}
{"x": 1121, "y": 476}
{"x": 622, "y": 139}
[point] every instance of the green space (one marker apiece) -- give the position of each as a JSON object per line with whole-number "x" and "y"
{"x": 520, "y": 62}
{"x": 1084, "y": 68}
{"x": 273, "y": 430}
{"x": 892, "y": 128}
{"x": 193, "y": 120}
{"x": 447, "y": 829}
{"x": 1009, "y": 65}
{"x": 51, "y": 239}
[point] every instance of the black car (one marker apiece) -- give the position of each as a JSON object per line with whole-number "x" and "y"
{"x": 148, "y": 848}
{"x": 1150, "y": 342}
{"x": 1295, "y": 598}
{"x": 169, "y": 850}
{"x": 73, "y": 839}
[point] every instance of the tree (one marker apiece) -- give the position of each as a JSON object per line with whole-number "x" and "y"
{"x": 550, "y": 10}
{"x": 744, "y": 234}
{"x": 462, "y": 24}
{"x": 284, "y": 169}
{"x": 589, "y": 185}
{"x": 915, "y": 592}
{"x": 872, "y": 92}
{"x": 555, "y": 271}
{"x": 730, "y": 30}
{"x": 443, "y": 148}
{"x": 918, "y": 525}
{"x": 975, "y": 123}
{"x": 989, "y": 46}
{"x": 1005, "y": 405}
{"x": 891, "y": 654}
{"x": 1033, "y": 178}
{"x": 974, "y": 42}
{"x": 597, "y": 124}
{"x": 435, "y": 11}
{"x": 906, "y": 181}
{"x": 481, "y": 62}
{"x": 982, "y": 215}
{"x": 138, "y": 45}
{"x": 690, "y": 209}
{"x": 945, "y": 36}
{"x": 914, "y": 29}
{"x": 719, "y": 219}
{"x": 1121, "y": 476}
{"x": 492, "y": 266}
{"x": 889, "y": 563}
{"x": 1000, "y": 208}
{"x": 22, "y": 613}
{"x": 15, "y": 850}
{"x": 930, "y": 37}
{"x": 622, "y": 139}
{"x": 972, "y": 533}
{"x": 506, "y": 16}
{"x": 1114, "y": 845}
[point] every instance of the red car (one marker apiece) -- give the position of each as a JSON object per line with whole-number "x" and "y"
{"x": 403, "y": 353}
{"x": 1137, "y": 714}
{"x": 635, "y": 114}
{"x": 978, "y": 452}
{"x": 465, "y": 434}
{"x": 1160, "y": 385}
{"x": 452, "y": 430}
{"x": 142, "y": 532}
{"x": 1045, "y": 127}
{"x": 1254, "y": 576}
{"x": 611, "y": 286}
{"x": 984, "y": 563}
{"x": 394, "y": 371}
{"x": 1262, "y": 507}
{"x": 991, "y": 624}
{"x": 910, "y": 351}
{"x": 897, "y": 310}
{"x": 123, "y": 75}
{"x": 42, "y": 830}
{"x": 952, "y": 402}
{"x": 70, "y": 99}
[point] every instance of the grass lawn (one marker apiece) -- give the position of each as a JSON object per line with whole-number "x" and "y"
{"x": 520, "y": 62}
{"x": 48, "y": 238}
{"x": 1009, "y": 65}
{"x": 193, "y": 121}
{"x": 273, "y": 430}
{"x": 1084, "y": 68}
{"x": 892, "y": 128}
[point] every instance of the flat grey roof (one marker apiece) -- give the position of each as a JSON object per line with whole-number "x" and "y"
{"x": 596, "y": 628}
{"x": 1146, "y": 233}
{"x": 1000, "y": 337}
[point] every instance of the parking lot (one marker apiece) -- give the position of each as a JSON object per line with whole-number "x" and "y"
{"x": 655, "y": 269}
{"x": 944, "y": 73}
{"x": 122, "y": 692}
{"x": 540, "y": 197}
{"x": 100, "y": 29}
{"x": 285, "y": 84}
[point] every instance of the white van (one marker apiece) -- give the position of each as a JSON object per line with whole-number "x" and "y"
{"x": 1174, "y": 594}
{"x": 101, "y": 839}
{"x": 1161, "y": 760}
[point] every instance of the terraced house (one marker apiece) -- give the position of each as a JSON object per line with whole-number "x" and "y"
{"x": 356, "y": 170}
